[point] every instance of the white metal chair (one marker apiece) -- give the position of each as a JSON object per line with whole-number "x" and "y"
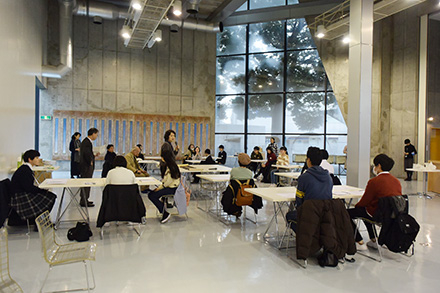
{"x": 60, "y": 254}
{"x": 7, "y": 284}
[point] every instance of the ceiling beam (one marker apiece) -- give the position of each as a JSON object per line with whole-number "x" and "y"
{"x": 281, "y": 12}
{"x": 225, "y": 10}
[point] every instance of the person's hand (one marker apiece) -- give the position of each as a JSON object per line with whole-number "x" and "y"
{"x": 263, "y": 165}
{"x": 177, "y": 147}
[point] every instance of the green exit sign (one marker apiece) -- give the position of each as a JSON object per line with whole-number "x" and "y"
{"x": 46, "y": 117}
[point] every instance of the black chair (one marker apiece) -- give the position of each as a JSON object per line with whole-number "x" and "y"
{"x": 121, "y": 203}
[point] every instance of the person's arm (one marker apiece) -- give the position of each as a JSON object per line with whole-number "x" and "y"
{"x": 299, "y": 196}
{"x": 368, "y": 196}
{"x": 130, "y": 163}
{"x": 72, "y": 146}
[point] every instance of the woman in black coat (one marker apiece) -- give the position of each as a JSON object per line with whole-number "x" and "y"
{"x": 108, "y": 160}
{"x": 75, "y": 143}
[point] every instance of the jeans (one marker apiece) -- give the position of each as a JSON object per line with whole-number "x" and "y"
{"x": 361, "y": 212}
{"x": 155, "y": 196}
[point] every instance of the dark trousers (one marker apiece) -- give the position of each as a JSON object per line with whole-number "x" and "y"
{"x": 85, "y": 191}
{"x": 155, "y": 196}
{"x": 361, "y": 212}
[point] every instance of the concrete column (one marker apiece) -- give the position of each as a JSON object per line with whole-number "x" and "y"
{"x": 359, "y": 92}
{"x": 421, "y": 140}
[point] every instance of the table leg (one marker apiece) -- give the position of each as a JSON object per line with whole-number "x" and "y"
{"x": 425, "y": 185}
{"x": 58, "y": 218}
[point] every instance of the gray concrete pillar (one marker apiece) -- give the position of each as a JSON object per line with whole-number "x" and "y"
{"x": 359, "y": 92}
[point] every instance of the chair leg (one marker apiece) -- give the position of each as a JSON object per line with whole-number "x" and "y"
{"x": 45, "y": 279}
{"x": 88, "y": 288}
{"x": 101, "y": 232}
{"x": 377, "y": 239}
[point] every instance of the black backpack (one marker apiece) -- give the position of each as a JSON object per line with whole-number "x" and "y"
{"x": 80, "y": 233}
{"x": 403, "y": 233}
{"x": 327, "y": 259}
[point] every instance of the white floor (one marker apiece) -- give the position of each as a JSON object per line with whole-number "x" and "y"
{"x": 202, "y": 254}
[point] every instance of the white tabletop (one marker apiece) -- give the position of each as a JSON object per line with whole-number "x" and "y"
{"x": 293, "y": 175}
{"x": 278, "y": 194}
{"x": 214, "y": 178}
{"x": 148, "y": 162}
{"x": 423, "y": 170}
{"x": 258, "y": 161}
{"x": 204, "y": 168}
{"x": 152, "y": 158}
{"x": 287, "y": 166}
{"x": 194, "y": 161}
{"x": 90, "y": 182}
{"x": 46, "y": 168}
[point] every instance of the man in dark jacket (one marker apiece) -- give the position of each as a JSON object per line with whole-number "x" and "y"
{"x": 221, "y": 155}
{"x": 410, "y": 152}
{"x": 315, "y": 183}
{"x": 87, "y": 164}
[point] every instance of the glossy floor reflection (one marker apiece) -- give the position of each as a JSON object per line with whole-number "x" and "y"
{"x": 202, "y": 254}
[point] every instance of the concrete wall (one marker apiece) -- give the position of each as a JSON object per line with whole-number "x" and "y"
{"x": 395, "y": 82}
{"x": 22, "y": 41}
{"x": 176, "y": 76}
{"x": 433, "y": 86}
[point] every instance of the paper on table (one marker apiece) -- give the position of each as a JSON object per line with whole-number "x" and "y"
{"x": 56, "y": 181}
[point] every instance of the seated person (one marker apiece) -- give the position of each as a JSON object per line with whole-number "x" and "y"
{"x": 133, "y": 164}
{"x": 119, "y": 174}
{"x": 265, "y": 168}
{"x": 28, "y": 200}
{"x": 209, "y": 160}
{"x": 108, "y": 160}
{"x": 325, "y": 164}
{"x": 256, "y": 155}
{"x": 189, "y": 153}
{"x": 384, "y": 184}
{"x": 242, "y": 172}
{"x": 221, "y": 155}
{"x": 141, "y": 157}
{"x": 197, "y": 154}
{"x": 283, "y": 160}
{"x": 315, "y": 183}
{"x": 170, "y": 181}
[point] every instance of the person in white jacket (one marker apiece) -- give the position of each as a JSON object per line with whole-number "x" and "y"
{"x": 170, "y": 181}
{"x": 120, "y": 175}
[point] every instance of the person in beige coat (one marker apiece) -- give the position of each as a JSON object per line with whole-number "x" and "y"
{"x": 133, "y": 165}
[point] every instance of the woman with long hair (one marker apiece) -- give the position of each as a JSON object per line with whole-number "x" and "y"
{"x": 170, "y": 174}
{"x": 75, "y": 143}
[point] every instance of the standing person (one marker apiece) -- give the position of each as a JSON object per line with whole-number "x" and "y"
{"x": 283, "y": 160}
{"x": 170, "y": 174}
{"x": 74, "y": 146}
{"x": 221, "y": 155}
{"x": 87, "y": 164}
{"x": 265, "y": 168}
{"x": 108, "y": 160}
{"x": 256, "y": 155}
{"x": 171, "y": 144}
{"x": 273, "y": 145}
{"x": 410, "y": 152}
{"x": 28, "y": 200}
{"x": 189, "y": 153}
{"x": 383, "y": 185}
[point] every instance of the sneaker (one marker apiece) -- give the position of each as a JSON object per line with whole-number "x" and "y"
{"x": 166, "y": 216}
{"x": 361, "y": 247}
{"x": 372, "y": 244}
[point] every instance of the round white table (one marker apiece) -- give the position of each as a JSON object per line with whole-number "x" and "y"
{"x": 425, "y": 179}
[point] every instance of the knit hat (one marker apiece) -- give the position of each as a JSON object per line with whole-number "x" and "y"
{"x": 244, "y": 159}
